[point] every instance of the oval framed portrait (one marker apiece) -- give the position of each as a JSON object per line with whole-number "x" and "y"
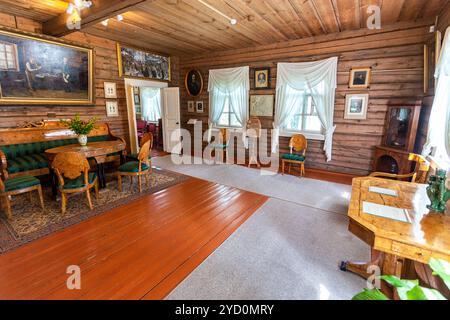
{"x": 194, "y": 83}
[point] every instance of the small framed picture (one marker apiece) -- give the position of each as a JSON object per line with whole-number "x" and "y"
{"x": 136, "y": 90}
{"x": 110, "y": 90}
{"x": 199, "y": 107}
{"x": 356, "y": 106}
{"x": 262, "y": 78}
{"x": 112, "y": 109}
{"x": 137, "y": 99}
{"x": 191, "y": 106}
{"x": 360, "y": 78}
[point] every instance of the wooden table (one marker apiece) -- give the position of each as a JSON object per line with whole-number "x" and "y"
{"x": 396, "y": 244}
{"x": 98, "y": 151}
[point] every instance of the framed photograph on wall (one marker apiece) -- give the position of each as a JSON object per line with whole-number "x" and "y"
{"x": 200, "y": 107}
{"x": 41, "y": 70}
{"x": 191, "y": 106}
{"x": 261, "y": 105}
{"x": 356, "y": 106}
{"x": 110, "y": 90}
{"x": 360, "y": 78}
{"x": 138, "y": 63}
{"x": 262, "y": 78}
{"x": 112, "y": 109}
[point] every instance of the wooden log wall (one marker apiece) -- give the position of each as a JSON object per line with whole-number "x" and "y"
{"x": 106, "y": 69}
{"x": 395, "y": 53}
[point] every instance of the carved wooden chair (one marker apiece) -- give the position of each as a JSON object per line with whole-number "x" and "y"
{"x": 419, "y": 174}
{"x": 298, "y": 144}
{"x": 145, "y": 138}
{"x": 18, "y": 185}
{"x": 139, "y": 168}
{"x": 222, "y": 144}
{"x": 72, "y": 171}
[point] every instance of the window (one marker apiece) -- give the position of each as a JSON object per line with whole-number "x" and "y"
{"x": 228, "y": 97}
{"x": 151, "y": 104}
{"x": 228, "y": 118}
{"x": 438, "y": 142}
{"x": 304, "y": 118}
{"x": 8, "y": 56}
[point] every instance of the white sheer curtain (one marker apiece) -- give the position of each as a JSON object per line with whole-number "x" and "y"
{"x": 318, "y": 78}
{"x": 439, "y": 124}
{"x": 228, "y": 84}
{"x": 151, "y": 104}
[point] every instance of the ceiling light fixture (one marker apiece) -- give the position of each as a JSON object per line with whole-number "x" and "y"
{"x": 119, "y": 17}
{"x": 105, "y": 22}
{"x": 232, "y": 21}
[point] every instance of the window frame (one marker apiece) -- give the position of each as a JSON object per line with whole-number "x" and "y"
{"x": 15, "y": 57}
{"x": 312, "y": 135}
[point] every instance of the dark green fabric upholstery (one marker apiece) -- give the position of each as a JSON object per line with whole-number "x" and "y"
{"x": 19, "y": 183}
{"x": 79, "y": 182}
{"x": 293, "y": 157}
{"x": 31, "y": 156}
{"x": 26, "y": 163}
{"x": 134, "y": 157}
{"x": 133, "y": 166}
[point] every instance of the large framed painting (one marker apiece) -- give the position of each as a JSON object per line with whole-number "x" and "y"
{"x": 137, "y": 63}
{"x": 42, "y": 70}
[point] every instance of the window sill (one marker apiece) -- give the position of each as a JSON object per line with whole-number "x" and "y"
{"x": 308, "y": 135}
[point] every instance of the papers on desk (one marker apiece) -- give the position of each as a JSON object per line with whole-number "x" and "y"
{"x": 386, "y": 212}
{"x": 388, "y": 192}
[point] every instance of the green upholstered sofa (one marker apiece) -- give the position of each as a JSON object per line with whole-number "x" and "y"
{"x": 22, "y": 150}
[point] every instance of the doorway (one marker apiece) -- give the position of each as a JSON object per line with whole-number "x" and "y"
{"x": 152, "y": 106}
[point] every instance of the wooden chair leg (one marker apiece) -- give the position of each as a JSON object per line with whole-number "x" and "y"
{"x": 131, "y": 183}
{"x": 119, "y": 182}
{"x": 63, "y": 202}
{"x": 96, "y": 189}
{"x": 30, "y": 195}
{"x": 140, "y": 183}
{"x": 7, "y": 203}
{"x": 88, "y": 196}
{"x": 282, "y": 167}
{"x": 41, "y": 197}
{"x": 147, "y": 178}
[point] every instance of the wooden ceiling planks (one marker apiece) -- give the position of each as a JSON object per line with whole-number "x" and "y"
{"x": 187, "y": 27}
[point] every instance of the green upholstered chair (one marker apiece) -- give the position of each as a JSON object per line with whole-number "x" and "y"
{"x": 72, "y": 171}
{"x": 299, "y": 144}
{"x": 16, "y": 186}
{"x": 139, "y": 168}
{"x": 146, "y": 137}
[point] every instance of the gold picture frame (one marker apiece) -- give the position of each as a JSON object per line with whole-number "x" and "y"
{"x": 194, "y": 86}
{"x": 125, "y": 73}
{"x": 51, "y": 77}
{"x": 360, "y": 78}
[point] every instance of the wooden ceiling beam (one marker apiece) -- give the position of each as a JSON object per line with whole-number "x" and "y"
{"x": 99, "y": 11}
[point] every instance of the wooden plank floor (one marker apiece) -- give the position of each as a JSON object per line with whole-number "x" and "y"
{"x": 141, "y": 250}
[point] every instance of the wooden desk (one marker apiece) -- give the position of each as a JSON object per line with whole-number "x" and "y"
{"x": 94, "y": 150}
{"x": 395, "y": 244}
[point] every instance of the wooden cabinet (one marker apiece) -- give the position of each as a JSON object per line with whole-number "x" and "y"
{"x": 399, "y": 139}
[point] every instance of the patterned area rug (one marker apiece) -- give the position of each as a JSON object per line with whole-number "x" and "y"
{"x": 30, "y": 223}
